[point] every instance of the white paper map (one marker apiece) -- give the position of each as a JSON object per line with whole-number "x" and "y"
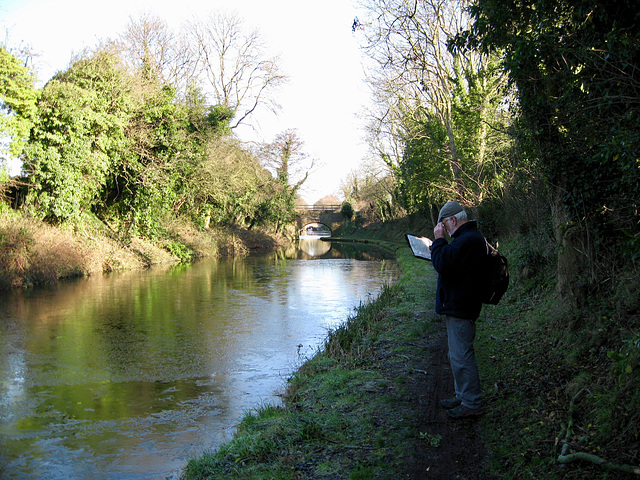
{"x": 420, "y": 246}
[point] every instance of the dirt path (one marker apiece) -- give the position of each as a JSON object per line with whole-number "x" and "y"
{"x": 460, "y": 454}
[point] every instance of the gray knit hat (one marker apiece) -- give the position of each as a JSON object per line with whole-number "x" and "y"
{"x": 449, "y": 210}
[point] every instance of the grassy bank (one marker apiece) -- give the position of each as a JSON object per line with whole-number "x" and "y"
{"x": 364, "y": 408}
{"x": 35, "y": 253}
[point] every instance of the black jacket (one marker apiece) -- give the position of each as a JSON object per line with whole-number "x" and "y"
{"x": 459, "y": 266}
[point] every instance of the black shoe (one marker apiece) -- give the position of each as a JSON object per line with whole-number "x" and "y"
{"x": 461, "y": 412}
{"x": 449, "y": 403}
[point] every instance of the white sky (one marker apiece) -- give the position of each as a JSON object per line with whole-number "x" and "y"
{"x": 319, "y": 53}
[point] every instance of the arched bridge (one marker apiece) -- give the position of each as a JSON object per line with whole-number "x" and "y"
{"x": 318, "y": 217}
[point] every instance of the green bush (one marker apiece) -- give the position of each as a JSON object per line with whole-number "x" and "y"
{"x": 184, "y": 253}
{"x": 347, "y": 210}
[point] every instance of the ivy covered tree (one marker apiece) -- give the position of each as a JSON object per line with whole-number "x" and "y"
{"x": 148, "y": 185}
{"x": 291, "y": 165}
{"x": 575, "y": 64}
{"x": 79, "y": 134}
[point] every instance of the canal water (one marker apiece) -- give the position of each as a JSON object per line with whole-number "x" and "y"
{"x": 129, "y": 375}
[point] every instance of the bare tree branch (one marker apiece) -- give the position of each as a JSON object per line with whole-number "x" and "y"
{"x": 150, "y": 47}
{"x": 233, "y": 63}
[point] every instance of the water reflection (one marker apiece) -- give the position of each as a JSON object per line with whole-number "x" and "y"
{"x": 130, "y": 374}
{"x": 314, "y": 247}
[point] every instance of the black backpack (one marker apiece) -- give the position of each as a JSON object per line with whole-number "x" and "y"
{"x": 496, "y": 279}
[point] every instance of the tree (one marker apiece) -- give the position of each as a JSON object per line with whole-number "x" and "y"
{"x": 153, "y": 51}
{"x": 347, "y": 211}
{"x": 435, "y": 104}
{"x": 230, "y": 187}
{"x": 286, "y": 158}
{"x": 113, "y": 144}
{"x": 376, "y": 193}
{"x": 151, "y": 179}
{"x": 291, "y": 165}
{"x": 574, "y": 65}
{"x": 233, "y": 63}
{"x": 79, "y": 133}
{"x": 17, "y": 102}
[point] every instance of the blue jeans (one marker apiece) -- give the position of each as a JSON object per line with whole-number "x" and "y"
{"x": 461, "y": 334}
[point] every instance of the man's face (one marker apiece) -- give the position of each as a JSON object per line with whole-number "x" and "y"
{"x": 450, "y": 224}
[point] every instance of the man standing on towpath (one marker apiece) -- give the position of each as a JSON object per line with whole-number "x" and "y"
{"x": 458, "y": 300}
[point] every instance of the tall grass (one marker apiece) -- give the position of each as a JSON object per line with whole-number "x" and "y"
{"x": 33, "y": 253}
{"x": 345, "y": 344}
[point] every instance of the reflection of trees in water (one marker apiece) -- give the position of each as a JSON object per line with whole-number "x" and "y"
{"x": 362, "y": 251}
{"x": 317, "y": 248}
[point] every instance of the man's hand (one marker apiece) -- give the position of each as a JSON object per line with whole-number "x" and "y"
{"x": 439, "y": 231}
